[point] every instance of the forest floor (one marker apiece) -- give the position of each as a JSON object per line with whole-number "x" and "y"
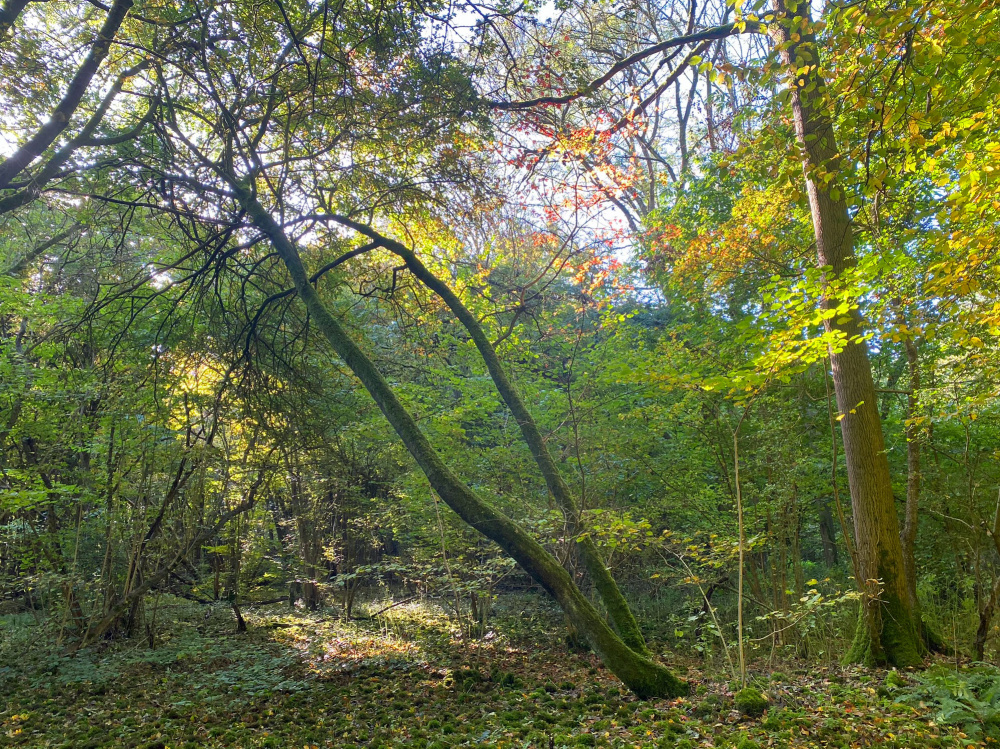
{"x": 406, "y": 679}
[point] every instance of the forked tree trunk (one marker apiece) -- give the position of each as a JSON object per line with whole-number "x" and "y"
{"x": 638, "y": 672}
{"x": 608, "y": 590}
{"x": 887, "y": 630}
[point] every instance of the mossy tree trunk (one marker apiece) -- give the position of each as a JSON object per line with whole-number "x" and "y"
{"x": 887, "y": 631}
{"x": 638, "y": 672}
{"x": 611, "y": 596}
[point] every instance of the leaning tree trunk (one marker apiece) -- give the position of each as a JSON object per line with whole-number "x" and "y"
{"x": 887, "y": 630}
{"x": 638, "y": 672}
{"x": 608, "y": 590}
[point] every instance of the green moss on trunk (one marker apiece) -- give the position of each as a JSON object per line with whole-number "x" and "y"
{"x": 887, "y": 637}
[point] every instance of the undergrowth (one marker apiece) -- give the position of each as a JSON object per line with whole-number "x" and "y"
{"x": 408, "y": 679}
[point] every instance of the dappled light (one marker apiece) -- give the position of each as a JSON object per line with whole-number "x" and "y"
{"x": 423, "y": 375}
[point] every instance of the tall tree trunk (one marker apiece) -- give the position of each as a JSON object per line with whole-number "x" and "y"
{"x": 638, "y": 672}
{"x": 827, "y": 533}
{"x": 908, "y": 534}
{"x": 988, "y": 608}
{"x": 887, "y": 630}
{"x": 608, "y": 590}
{"x": 986, "y": 612}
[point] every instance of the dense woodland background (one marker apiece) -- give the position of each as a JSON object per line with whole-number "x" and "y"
{"x": 701, "y": 295}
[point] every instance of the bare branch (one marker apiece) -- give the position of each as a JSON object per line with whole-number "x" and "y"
{"x": 716, "y": 32}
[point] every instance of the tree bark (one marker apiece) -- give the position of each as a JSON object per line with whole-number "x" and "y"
{"x": 639, "y": 673}
{"x": 887, "y": 630}
{"x": 608, "y": 590}
{"x": 986, "y": 613}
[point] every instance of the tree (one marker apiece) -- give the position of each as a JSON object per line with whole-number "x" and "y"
{"x": 218, "y": 142}
{"x": 639, "y": 673}
{"x": 152, "y": 240}
{"x": 888, "y": 629}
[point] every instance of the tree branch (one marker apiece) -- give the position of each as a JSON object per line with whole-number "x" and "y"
{"x": 715, "y": 32}
{"x": 61, "y": 115}
{"x": 8, "y": 14}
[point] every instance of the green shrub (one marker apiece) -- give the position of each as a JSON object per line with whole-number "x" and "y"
{"x": 468, "y": 675}
{"x": 706, "y": 708}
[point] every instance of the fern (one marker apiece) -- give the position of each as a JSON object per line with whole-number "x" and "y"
{"x": 968, "y": 700}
